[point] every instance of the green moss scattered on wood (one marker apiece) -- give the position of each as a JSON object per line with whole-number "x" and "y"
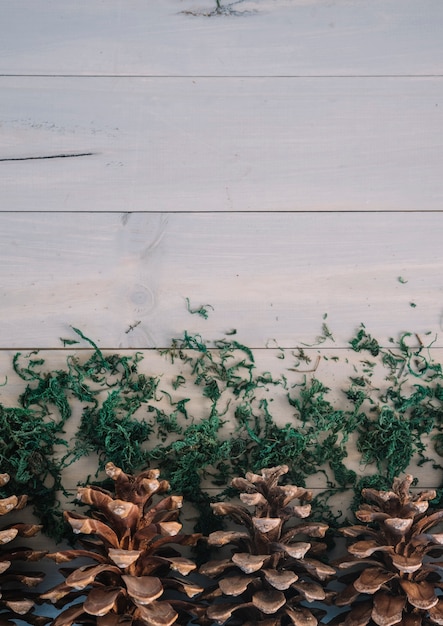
{"x": 134, "y": 419}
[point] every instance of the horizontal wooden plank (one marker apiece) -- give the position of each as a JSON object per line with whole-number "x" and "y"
{"x": 220, "y": 144}
{"x": 258, "y": 37}
{"x": 123, "y": 279}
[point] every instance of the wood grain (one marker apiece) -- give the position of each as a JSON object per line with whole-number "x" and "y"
{"x": 336, "y": 144}
{"x": 258, "y": 38}
{"x": 271, "y": 276}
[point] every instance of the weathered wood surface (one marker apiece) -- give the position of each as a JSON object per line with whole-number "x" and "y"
{"x": 278, "y": 163}
{"x": 226, "y": 143}
{"x": 221, "y": 144}
{"x": 270, "y": 276}
{"x": 263, "y": 37}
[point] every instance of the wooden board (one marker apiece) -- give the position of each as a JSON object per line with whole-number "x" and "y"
{"x": 254, "y": 144}
{"x": 263, "y": 38}
{"x": 270, "y": 276}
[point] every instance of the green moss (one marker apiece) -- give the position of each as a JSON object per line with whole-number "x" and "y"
{"x": 231, "y": 428}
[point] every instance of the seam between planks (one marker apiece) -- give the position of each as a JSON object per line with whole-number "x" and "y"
{"x": 227, "y": 76}
{"x": 193, "y": 212}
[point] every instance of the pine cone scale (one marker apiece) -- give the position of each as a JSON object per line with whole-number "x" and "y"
{"x": 387, "y": 609}
{"x": 101, "y": 601}
{"x": 421, "y": 594}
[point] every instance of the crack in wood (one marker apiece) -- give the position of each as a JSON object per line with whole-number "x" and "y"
{"x": 220, "y": 10}
{"x": 48, "y": 156}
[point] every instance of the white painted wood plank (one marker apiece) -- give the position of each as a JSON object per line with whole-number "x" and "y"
{"x": 220, "y": 144}
{"x": 265, "y": 37}
{"x": 270, "y": 276}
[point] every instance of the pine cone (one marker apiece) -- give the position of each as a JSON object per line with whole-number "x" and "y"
{"x": 134, "y": 563}
{"x": 271, "y": 571}
{"x": 17, "y": 601}
{"x": 392, "y": 575}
